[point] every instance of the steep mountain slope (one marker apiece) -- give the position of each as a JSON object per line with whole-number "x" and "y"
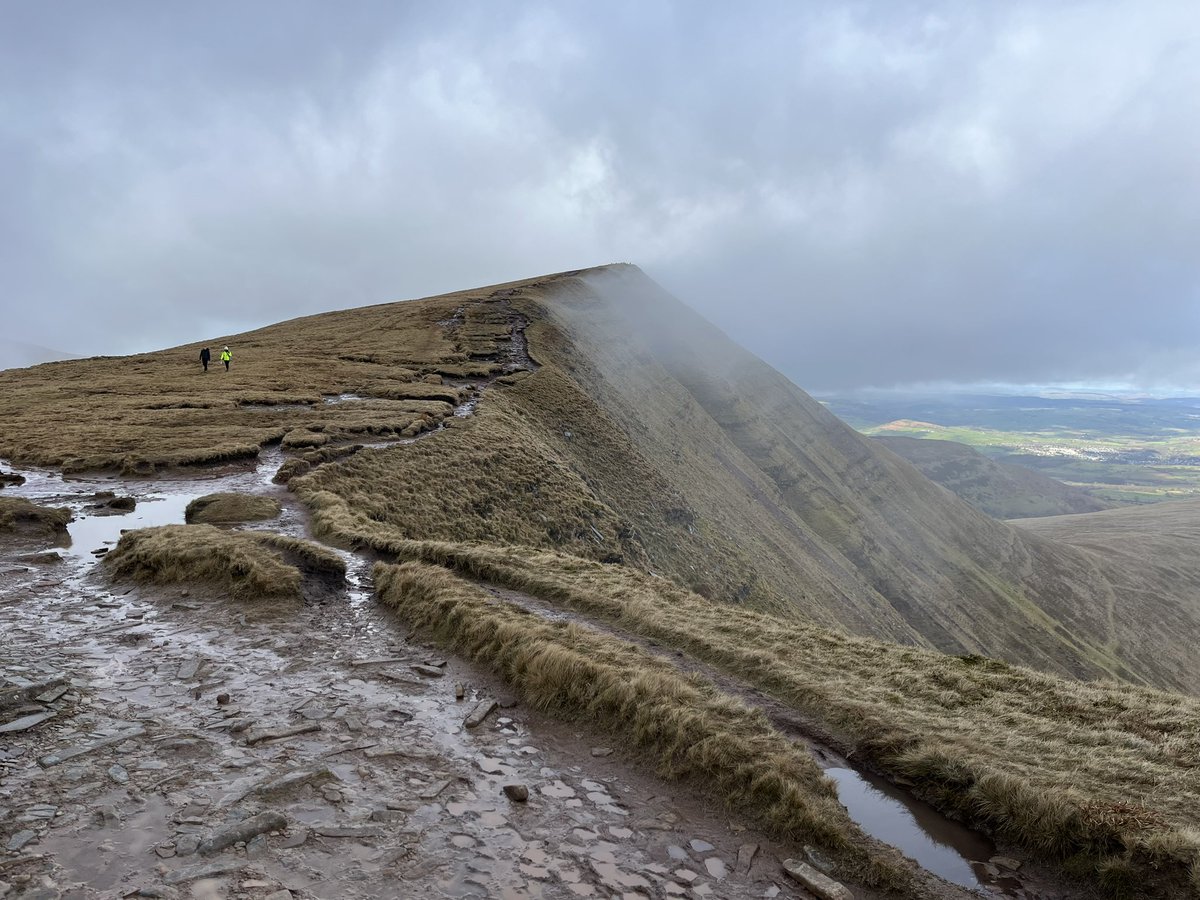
{"x": 1001, "y": 490}
{"x": 640, "y": 436}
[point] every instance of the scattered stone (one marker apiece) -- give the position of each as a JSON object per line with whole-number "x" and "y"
{"x": 205, "y": 870}
{"x": 118, "y": 774}
{"x": 20, "y": 839}
{"x": 507, "y": 701}
{"x": 602, "y": 751}
{"x": 479, "y": 712}
{"x": 187, "y": 844}
{"x": 189, "y": 669}
{"x": 62, "y": 756}
{"x": 256, "y": 846}
{"x": 815, "y": 882}
{"x": 818, "y": 859}
{"x": 53, "y": 694}
{"x": 1005, "y": 862}
{"x": 346, "y": 831}
{"x": 434, "y": 789}
{"x": 745, "y": 858}
{"x": 222, "y": 699}
{"x": 331, "y": 794}
{"x": 242, "y": 831}
{"x": 108, "y": 816}
{"x": 258, "y": 737}
{"x": 296, "y": 839}
{"x": 26, "y": 722}
{"x": 293, "y": 780}
{"x": 427, "y": 671}
{"x": 388, "y": 815}
{"x": 377, "y": 661}
{"x": 48, "y": 558}
{"x": 166, "y": 851}
{"x": 460, "y": 691}
{"x": 517, "y": 793}
{"x": 700, "y": 846}
{"x": 283, "y": 894}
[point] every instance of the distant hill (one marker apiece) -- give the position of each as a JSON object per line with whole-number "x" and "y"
{"x": 1001, "y": 490}
{"x": 20, "y": 354}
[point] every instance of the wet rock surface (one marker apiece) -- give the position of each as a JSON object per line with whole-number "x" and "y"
{"x": 331, "y": 767}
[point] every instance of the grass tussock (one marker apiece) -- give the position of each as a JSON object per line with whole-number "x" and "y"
{"x": 247, "y": 564}
{"x": 21, "y": 516}
{"x": 230, "y": 508}
{"x": 689, "y": 729}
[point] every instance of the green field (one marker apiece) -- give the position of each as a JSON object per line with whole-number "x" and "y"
{"x": 1121, "y": 450}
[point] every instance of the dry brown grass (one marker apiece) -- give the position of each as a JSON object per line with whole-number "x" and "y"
{"x": 20, "y": 516}
{"x": 684, "y": 725}
{"x": 159, "y": 410}
{"x": 1103, "y": 776}
{"x": 247, "y": 564}
{"x": 230, "y": 508}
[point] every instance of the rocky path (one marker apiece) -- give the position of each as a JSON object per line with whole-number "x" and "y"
{"x": 170, "y": 724}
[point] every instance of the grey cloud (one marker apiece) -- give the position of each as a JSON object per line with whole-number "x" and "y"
{"x": 871, "y": 193}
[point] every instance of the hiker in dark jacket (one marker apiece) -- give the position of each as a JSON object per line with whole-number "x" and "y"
{"x": 205, "y": 356}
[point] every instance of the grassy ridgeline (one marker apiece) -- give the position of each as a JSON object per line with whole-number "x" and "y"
{"x": 686, "y": 727}
{"x": 247, "y": 564}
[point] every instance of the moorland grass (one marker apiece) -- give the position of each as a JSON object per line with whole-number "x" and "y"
{"x": 246, "y": 564}
{"x": 227, "y": 508}
{"x": 159, "y": 410}
{"x": 686, "y": 727}
{"x": 22, "y": 516}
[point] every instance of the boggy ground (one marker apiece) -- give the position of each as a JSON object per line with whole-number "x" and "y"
{"x": 140, "y": 761}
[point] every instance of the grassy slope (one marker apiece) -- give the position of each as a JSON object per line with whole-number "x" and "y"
{"x": 1002, "y": 491}
{"x": 646, "y": 437}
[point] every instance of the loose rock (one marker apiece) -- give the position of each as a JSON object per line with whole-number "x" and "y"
{"x": 242, "y": 831}
{"x": 481, "y": 711}
{"x": 821, "y": 885}
{"x": 517, "y": 793}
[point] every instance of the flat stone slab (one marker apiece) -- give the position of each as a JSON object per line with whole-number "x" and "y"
{"x": 25, "y": 722}
{"x": 821, "y": 885}
{"x": 207, "y": 870}
{"x": 61, "y": 756}
{"x": 479, "y": 712}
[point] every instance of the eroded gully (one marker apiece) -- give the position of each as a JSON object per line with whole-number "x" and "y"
{"x": 161, "y": 717}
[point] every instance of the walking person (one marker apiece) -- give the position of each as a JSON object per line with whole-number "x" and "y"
{"x": 205, "y": 356}
{"x": 226, "y": 357}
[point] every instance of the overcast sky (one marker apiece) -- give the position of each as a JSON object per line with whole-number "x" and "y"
{"x": 862, "y": 193}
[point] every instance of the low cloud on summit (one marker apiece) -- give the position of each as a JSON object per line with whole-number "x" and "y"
{"x": 863, "y": 194}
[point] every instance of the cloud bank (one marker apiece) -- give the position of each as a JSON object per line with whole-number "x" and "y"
{"x": 864, "y": 193}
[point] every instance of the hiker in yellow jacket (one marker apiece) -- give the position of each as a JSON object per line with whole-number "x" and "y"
{"x": 226, "y": 356}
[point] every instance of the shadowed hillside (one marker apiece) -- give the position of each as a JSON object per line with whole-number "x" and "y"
{"x": 1001, "y": 490}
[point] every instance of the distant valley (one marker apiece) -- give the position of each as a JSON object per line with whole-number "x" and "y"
{"x": 1119, "y": 450}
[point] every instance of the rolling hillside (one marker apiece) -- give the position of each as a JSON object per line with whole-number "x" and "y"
{"x": 645, "y": 437}
{"x": 1001, "y": 490}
